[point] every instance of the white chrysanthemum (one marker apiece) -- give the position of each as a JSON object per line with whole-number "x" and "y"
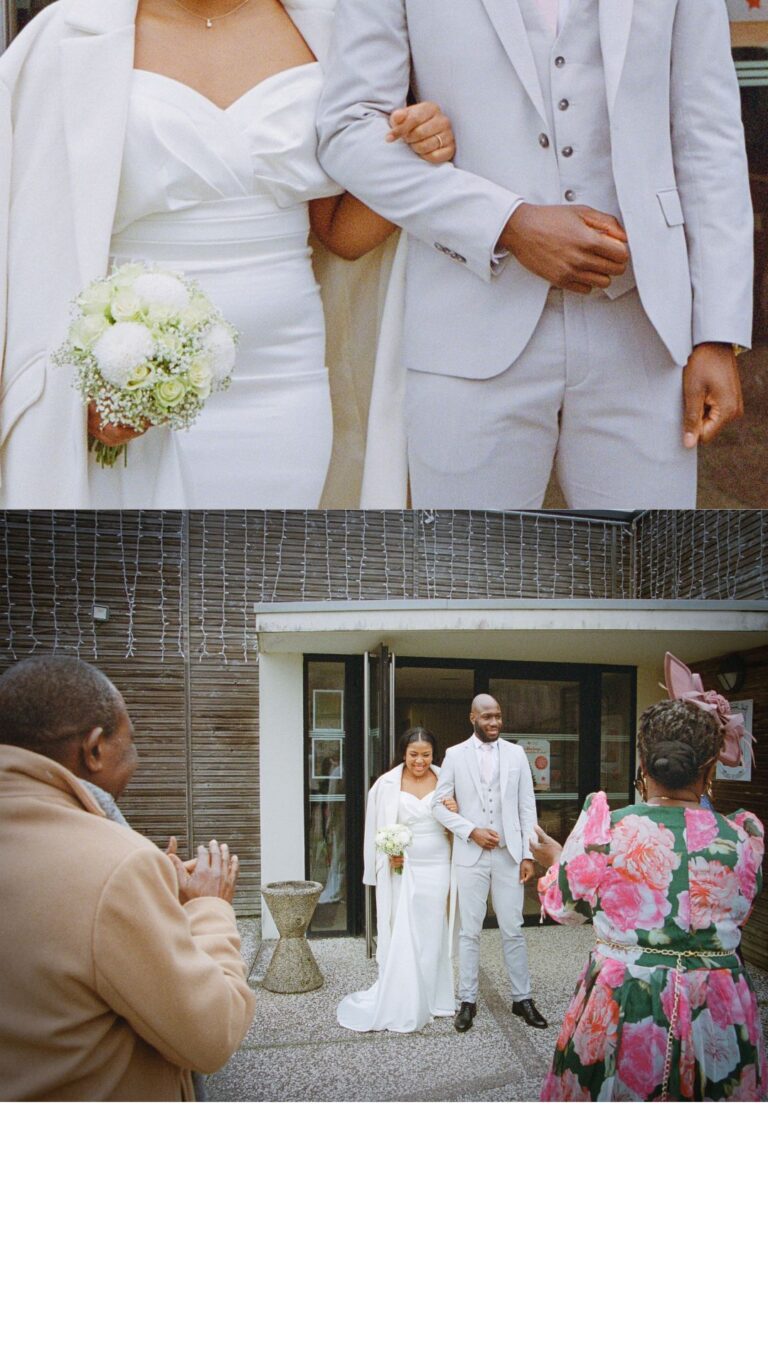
{"x": 219, "y": 348}
{"x": 121, "y": 350}
{"x": 163, "y": 290}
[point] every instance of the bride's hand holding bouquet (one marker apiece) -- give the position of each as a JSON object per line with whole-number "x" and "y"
{"x": 394, "y": 840}
{"x": 148, "y": 348}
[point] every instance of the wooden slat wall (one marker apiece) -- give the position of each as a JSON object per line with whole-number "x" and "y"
{"x": 702, "y": 555}
{"x": 749, "y": 795}
{"x": 224, "y": 744}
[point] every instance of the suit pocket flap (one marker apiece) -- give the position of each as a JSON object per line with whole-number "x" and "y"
{"x": 20, "y": 393}
{"x": 671, "y": 207}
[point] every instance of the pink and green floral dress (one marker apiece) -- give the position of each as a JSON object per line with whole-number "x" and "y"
{"x": 664, "y": 1008}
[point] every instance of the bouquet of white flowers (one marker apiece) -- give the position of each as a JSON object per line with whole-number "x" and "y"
{"x": 148, "y": 348}
{"x": 394, "y": 840}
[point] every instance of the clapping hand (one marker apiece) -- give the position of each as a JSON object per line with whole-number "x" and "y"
{"x": 544, "y": 848}
{"x": 213, "y": 872}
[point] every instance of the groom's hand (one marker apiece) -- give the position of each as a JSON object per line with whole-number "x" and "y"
{"x": 711, "y": 392}
{"x": 486, "y": 838}
{"x": 527, "y": 870}
{"x": 573, "y": 246}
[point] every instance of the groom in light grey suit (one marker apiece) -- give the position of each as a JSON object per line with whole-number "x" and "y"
{"x": 579, "y": 276}
{"x": 491, "y": 782}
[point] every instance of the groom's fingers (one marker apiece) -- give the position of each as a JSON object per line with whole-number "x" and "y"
{"x": 605, "y": 223}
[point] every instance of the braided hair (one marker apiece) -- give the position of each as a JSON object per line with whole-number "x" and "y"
{"x": 675, "y": 740}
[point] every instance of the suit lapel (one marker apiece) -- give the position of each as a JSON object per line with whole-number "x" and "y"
{"x": 504, "y": 764}
{"x": 615, "y": 24}
{"x": 507, "y": 19}
{"x": 96, "y": 68}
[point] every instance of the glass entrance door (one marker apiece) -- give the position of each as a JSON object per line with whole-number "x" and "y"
{"x": 333, "y": 770}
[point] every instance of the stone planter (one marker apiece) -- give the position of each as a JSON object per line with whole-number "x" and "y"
{"x": 293, "y": 968}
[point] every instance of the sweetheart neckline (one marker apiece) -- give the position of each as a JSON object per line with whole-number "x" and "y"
{"x": 226, "y": 108}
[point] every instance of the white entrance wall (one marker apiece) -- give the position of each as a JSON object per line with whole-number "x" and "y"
{"x": 281, "y": 779}
{"x": 585, "y": 633}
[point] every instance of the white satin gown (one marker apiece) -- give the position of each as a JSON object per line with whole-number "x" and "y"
{"x": 416, "y": 980}
{"x": 222, "y": 195}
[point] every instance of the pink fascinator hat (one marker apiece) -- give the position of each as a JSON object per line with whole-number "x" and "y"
{"x": 683, "y": 685}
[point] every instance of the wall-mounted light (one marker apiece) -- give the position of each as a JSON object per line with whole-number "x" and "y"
{"x": 100, "y": 613}
{"x": 731, "y": 674}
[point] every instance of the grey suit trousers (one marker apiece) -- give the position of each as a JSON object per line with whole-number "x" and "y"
{"x": 595, "y": 390}
{"x": 496, "y": 872}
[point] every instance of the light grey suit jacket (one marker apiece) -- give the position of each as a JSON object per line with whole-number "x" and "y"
{"x": 460, "y": 777}
{"x": 678, "y": 155}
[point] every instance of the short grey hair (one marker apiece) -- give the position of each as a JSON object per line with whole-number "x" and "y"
{"x": 47, "y": 699}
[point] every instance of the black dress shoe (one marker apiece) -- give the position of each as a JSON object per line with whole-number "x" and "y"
{"x": 529, "y": 1014}
{"x": 464, "y": 1016}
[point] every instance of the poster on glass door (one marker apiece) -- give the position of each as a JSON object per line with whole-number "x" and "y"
{"x": 744, "y": 771}
{"x": 741, "y": 10}
{"x": 538, "y": 752}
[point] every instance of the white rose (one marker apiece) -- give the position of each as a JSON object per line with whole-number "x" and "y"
{"x": 85, "y": 331}
{"x": 199, "y": 376}
{"x": 219, "y": 348}
{"x": 121, "y": 350}
{"x": 126, "y": 274}
{"x": 96, "y": 298}
{"x": 158, "y": 314}
{"x": 195, "y": 313}
{"x": 141, "y": 377}
{"x": 125, "y": 305}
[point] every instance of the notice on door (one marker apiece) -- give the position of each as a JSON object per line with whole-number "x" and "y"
{"x": 741, "y": 10}
{"x": 538, "y": 752}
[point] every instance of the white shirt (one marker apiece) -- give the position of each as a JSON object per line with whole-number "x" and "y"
{"x": 554, "y": 13}
{"x": 487, "y": 775}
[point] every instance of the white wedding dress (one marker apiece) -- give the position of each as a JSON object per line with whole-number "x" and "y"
{"x": 416, "y": 979}
{"x": 222, "y": 195}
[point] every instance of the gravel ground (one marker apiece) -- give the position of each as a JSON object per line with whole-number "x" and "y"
{"x": 296, "y": 1051}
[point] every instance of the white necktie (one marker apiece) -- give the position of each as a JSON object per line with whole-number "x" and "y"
{"x": 486, "y": 764}
{"x": 549, "y": 12}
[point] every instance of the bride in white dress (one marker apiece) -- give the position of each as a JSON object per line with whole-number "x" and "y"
{"x": 413, "y": 895}
{"x": 193, "y": 122}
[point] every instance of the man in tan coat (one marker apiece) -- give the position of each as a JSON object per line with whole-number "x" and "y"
{"x": 120, "y": 970}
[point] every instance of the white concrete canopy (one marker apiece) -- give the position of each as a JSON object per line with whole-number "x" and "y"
{"x": 618, "y": 632}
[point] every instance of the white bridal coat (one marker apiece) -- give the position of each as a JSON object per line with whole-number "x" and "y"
{"x": 64, "y": 92}
{"x": 381, "y": 810}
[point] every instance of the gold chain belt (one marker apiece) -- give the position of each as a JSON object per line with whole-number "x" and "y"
{"x": 677, "y": 968}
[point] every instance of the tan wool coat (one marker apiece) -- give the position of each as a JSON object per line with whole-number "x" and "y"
{"x": 110, "y": 989}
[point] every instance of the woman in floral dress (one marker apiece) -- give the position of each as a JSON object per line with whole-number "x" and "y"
{"x": 664, "y": 1009}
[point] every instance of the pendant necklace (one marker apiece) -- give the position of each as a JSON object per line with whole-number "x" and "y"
{"x": 210, "y": 22}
